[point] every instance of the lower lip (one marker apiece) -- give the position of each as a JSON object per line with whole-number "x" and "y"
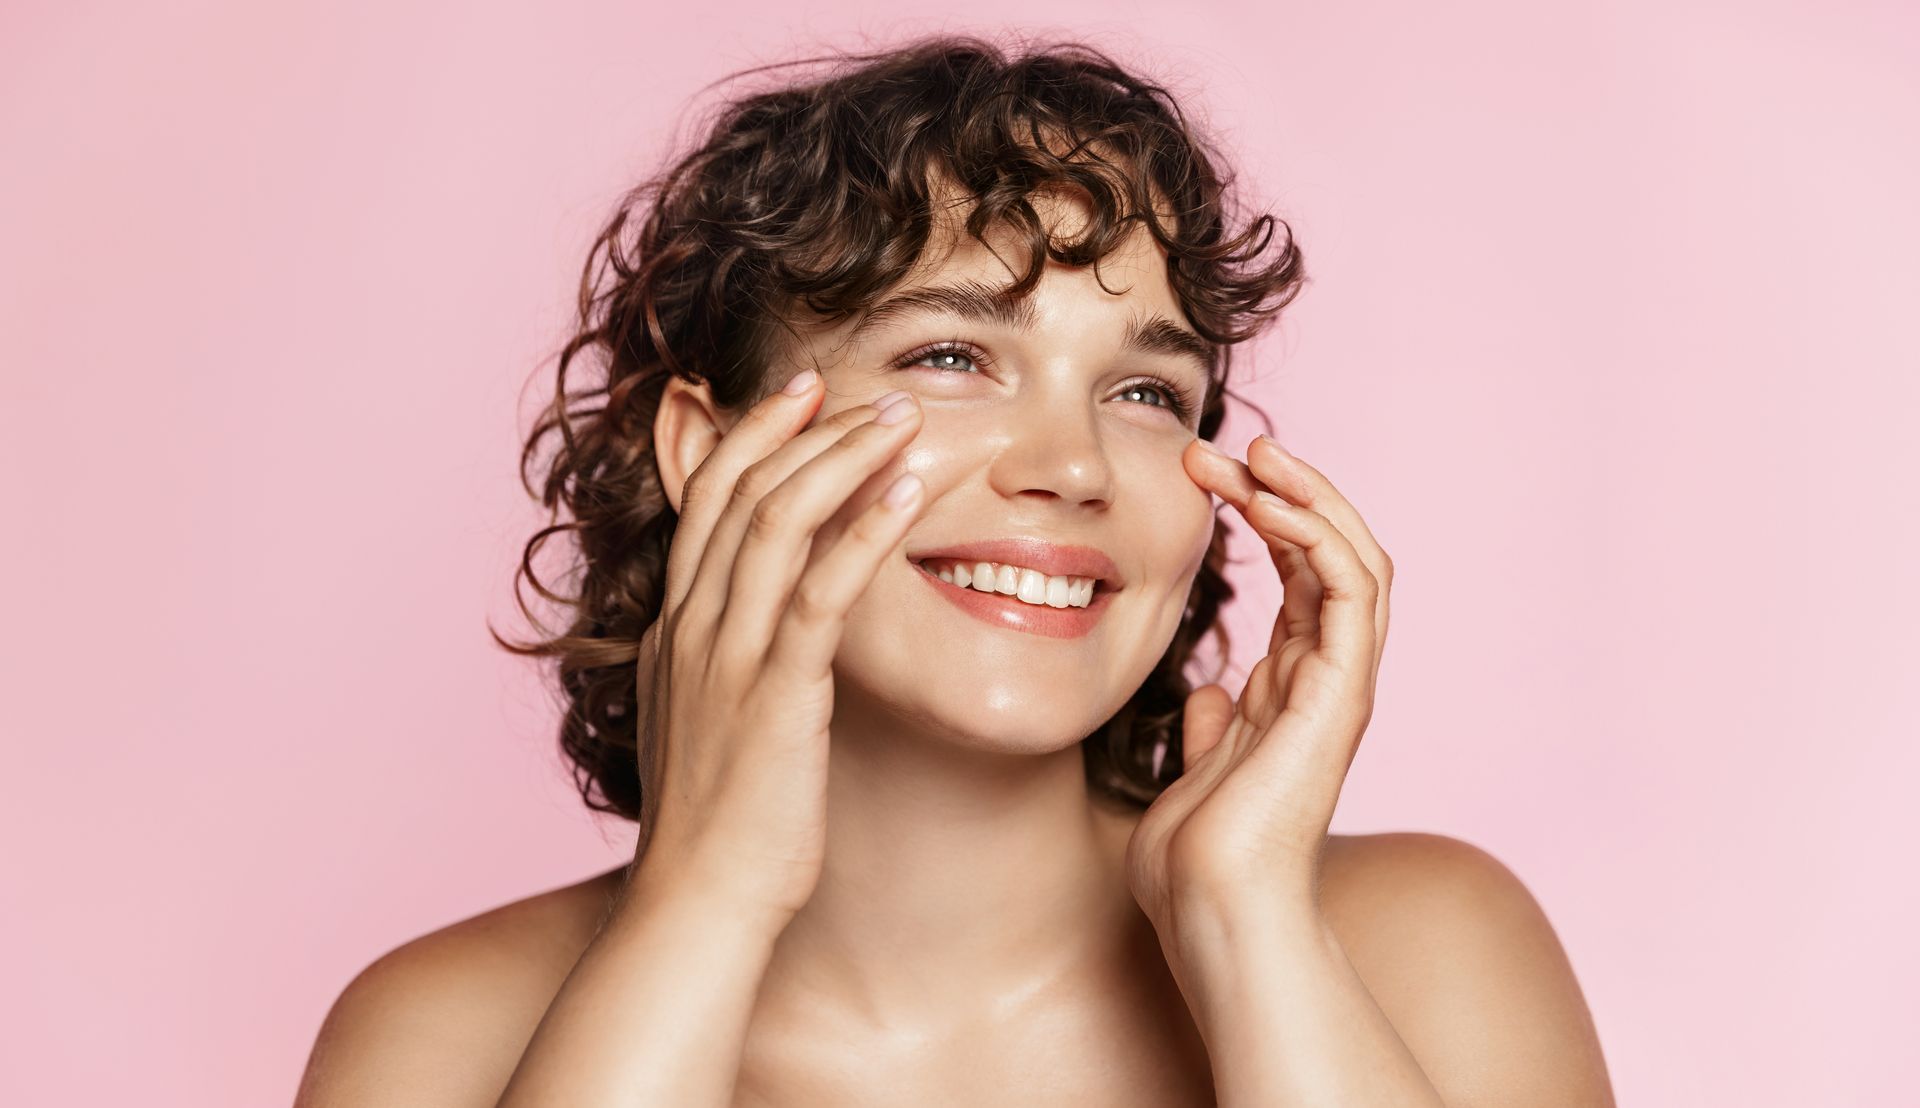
{"x": 1002, "y": 610}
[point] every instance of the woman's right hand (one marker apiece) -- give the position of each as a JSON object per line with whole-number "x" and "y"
{"x": 739, "y": 665}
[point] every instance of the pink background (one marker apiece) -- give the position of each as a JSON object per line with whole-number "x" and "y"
{"x": 1610, "y": 335}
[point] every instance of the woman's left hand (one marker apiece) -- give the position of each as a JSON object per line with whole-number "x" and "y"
{"x": 1249, "y": 815}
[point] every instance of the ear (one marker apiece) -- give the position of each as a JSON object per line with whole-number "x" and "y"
{"x": 685, "y": 430}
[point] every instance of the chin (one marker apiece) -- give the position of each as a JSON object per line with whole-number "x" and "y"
{"x": 986, "y": 706}
{"x": 909, "y": 662}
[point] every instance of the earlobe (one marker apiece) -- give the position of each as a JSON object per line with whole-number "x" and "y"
{"x": 685, "y": 429}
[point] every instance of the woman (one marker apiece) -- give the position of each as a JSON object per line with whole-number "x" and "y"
{"x": 900, "y": 452}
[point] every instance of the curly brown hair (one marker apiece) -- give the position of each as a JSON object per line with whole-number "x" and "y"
{"x": 820, "y": 195}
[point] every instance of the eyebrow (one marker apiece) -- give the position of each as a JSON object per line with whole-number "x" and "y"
{"x": 983, "y": 303}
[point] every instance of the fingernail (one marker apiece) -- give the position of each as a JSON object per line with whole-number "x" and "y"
{"x": 896, "y": 410}
{"x": 902, "y": 491}
{"x": 882, "y": 401}
{"x": 801, "y": 382}
{"x": 1210, "y": 448}
{"x": 1275, "y": 443}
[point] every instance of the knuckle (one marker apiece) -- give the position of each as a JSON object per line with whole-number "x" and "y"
{"x": 845, "y": 423}
{"x": 768, "y": 518}
{"x": 871, "y": 528}
{"x": 848, "y": 445}
{"x": 807, "y": 605}
{"x": 696, "y": 490}
{"x": 754, "y": 483}
{"x": 849, "y": 418}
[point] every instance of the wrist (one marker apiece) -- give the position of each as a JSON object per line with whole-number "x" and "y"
{"x": 656, "y": 892}
{"x": 1217, "y": 940}
{"x": 1245, "y": 911}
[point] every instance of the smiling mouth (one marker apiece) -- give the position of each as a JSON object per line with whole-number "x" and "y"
{"x": 1019, "y": 584}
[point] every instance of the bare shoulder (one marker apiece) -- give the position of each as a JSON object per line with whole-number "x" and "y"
{"x": 1464, "y": 962}
{"x": 442, "y": 1019}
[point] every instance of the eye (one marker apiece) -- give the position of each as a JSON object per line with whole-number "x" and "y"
{"x": 945, "y": 356}
{"x": 1171, "y": 398}
{"x": 959, "y": 357}
{"x": 1174, "y": 398}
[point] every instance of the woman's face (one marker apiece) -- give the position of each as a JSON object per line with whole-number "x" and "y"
{"x": 1043, "y": 424}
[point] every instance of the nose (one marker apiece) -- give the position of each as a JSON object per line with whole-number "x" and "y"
{"x": 1052, "y": 448}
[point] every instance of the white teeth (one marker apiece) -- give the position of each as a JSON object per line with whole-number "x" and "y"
{"x": 1033, "y": 586}
{"x": 1027, "y": 585}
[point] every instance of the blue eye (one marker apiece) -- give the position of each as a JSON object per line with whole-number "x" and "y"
{"x": 1167, "y": 400}
{"x": 944, "y": 358}
{"x": 953, "y": 357}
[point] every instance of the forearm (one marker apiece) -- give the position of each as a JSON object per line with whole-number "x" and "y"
{"x": 1286, "y": 1019}
{"x": 654, "y": 1012}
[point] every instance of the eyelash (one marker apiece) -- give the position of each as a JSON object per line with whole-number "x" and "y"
{"x": 1179, "y": 401}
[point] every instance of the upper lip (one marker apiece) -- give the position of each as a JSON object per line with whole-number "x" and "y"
{"x": 1050, "y": 558}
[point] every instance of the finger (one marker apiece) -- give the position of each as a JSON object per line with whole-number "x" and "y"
{"x": 1270, "y": 459}
{"x": 1208, "y": 711}
{"x": 706, "y": 597}
{"x": 1298, "y": 481}
{"x": 1351, "y": 592}
{"x": 1301, "y": 593}
{"x": 1300, "y": 596}
{"x": 807, "y": 635}
{"x": 765, "y": 425}
{"x": 1321, "y": 496}
{"x": 781, "y": 529}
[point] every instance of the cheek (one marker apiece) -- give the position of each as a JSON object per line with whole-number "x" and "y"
{"x": 1176, "y": 519}
{"x": 1199, "y": 524}
{"x": 942, "y": 454}
{"x": 936, "y": 456}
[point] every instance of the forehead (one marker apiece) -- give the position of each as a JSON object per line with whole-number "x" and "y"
{"x": 1128, "y": 287}
{"x": 1136, "y": 269}
{"x": 1122, "y": 303}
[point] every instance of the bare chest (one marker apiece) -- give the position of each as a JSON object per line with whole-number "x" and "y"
{"x": 1121, "y": 1075}
{"x": 1135, "y": 1048}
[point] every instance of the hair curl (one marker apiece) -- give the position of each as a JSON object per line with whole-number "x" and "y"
{"x": 820, "y": 195}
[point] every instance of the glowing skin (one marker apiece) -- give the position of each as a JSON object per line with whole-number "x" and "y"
{"x": 959, "y": 818}
{"x": 1045, "y": 441}
{"x": 973, "y": 930}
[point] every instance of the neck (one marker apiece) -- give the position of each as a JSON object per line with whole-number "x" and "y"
{"x": 954, "y": 877}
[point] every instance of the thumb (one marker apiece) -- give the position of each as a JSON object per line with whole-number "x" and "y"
{"x": 1209, "y": 709}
